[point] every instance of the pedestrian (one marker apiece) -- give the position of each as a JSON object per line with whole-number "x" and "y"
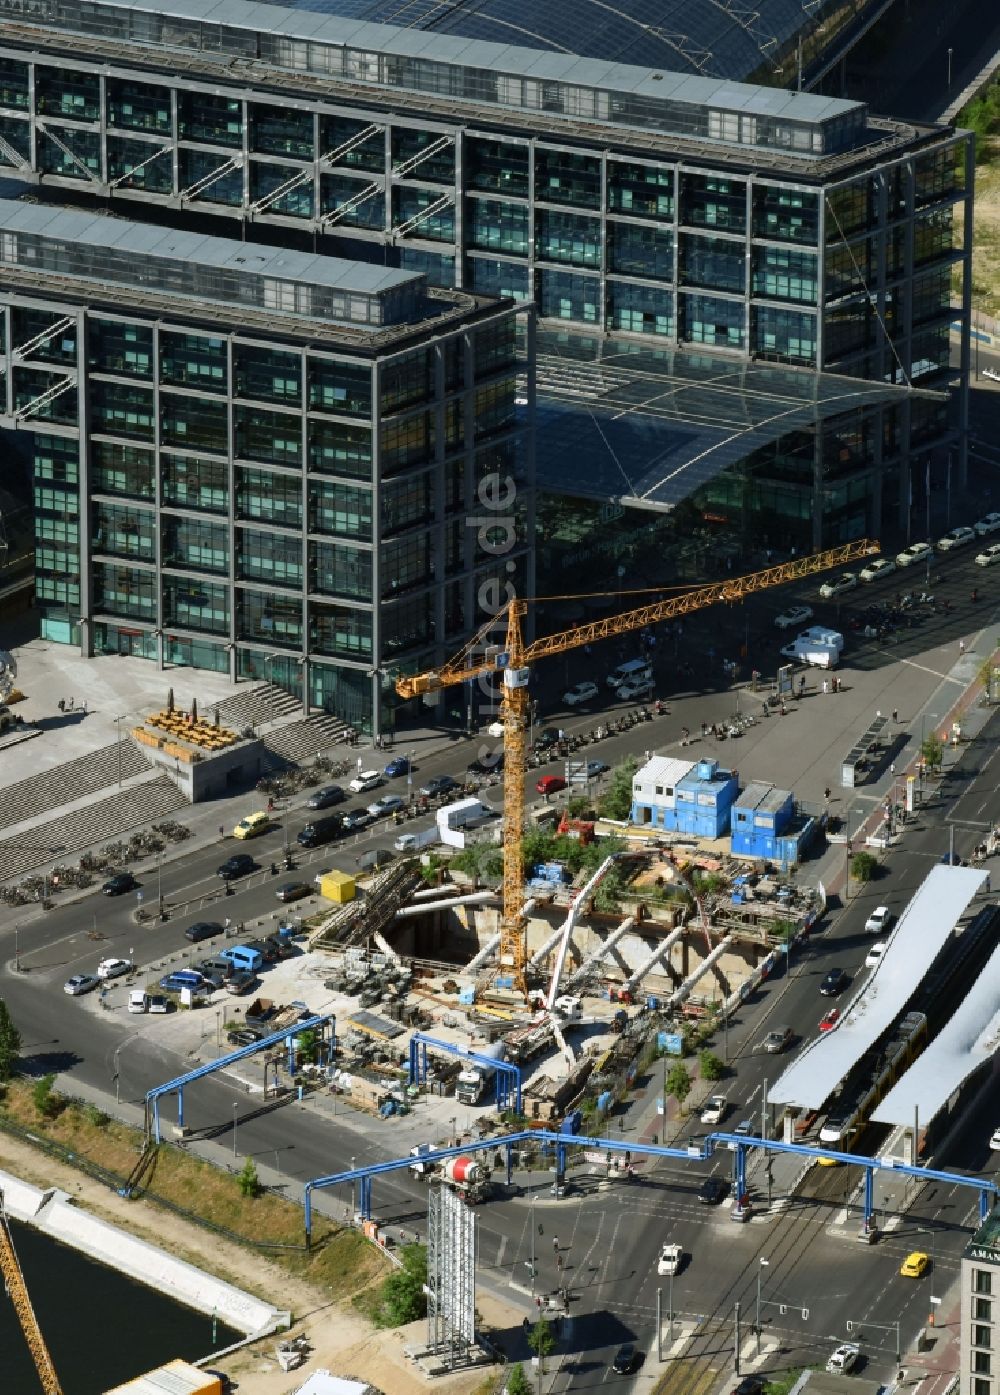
{"x": 961, "y": 650}
{"x": 826, "y": 794}
{"x": 555, "y": 1243}
{"x": 892, "y": 768}
{"x": 826, "y": 687}
{"x": 228, "y": 923}
{"x": 895, "y": 714}
{"x": 85, "y": 707}
{"x": 559, "y": 1261}
{"x": 62, "y": 704}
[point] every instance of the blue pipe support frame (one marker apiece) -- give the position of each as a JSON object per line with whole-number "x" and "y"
{"x": 740, "y": 1172}
{"x": 507, "y": 1075}
{"x": 176, "y": 1086}
{"x": 696, "y": 1152}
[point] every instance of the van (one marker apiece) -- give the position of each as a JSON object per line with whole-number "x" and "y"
{"x": 252, "y": 825}
{"x": 244, "y": 957}
{"x": 321, "y": 831}
{"x": 825, "y": 638}
{"x": 636, "y": 671}
{"x": 138, "y": 1001}
{"x": 184, "y": 978}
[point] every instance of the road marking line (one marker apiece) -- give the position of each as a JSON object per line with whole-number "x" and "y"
{"x": 945, "y": 677}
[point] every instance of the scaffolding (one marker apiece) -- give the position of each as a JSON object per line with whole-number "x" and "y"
{"x": 451, "y": 1275}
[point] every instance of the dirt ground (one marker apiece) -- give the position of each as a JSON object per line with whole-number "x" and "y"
{"x": 986, "y": 247}
{"x": 341, "y": 1341}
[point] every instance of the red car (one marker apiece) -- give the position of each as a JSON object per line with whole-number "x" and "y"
{"x": 830, "y": 1021}
{"x": 550, "y": 784}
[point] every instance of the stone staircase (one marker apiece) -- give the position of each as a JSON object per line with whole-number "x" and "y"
{"x": 63, "y": 784}
{"x": 97, "y": 822}
{"x": 299, "y": 740}
{"x": 256, "y": 707}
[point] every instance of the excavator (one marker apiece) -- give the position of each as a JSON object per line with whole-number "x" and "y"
{"x": 512, "y": 659}
{"x": 10, "y": 1268}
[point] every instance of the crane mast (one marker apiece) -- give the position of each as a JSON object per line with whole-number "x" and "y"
{"x": 14, "y": 1283}
{"x": 513, "y": 660}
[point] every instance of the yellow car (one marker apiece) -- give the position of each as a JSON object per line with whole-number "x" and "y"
{"x": 914, "y": 1265}
{"x": 252, "y": 825}
{"x": 828, "y": 1162}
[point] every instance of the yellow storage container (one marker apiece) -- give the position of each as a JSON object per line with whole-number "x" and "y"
{"x": 337, "y": 886}
{"x": 176, "y": 1378}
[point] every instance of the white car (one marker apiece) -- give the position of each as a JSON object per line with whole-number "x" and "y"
{"x": 882, "y": 566}
{"x": 844, "y": 1359}
{"x": 879, "y": 920}
{"x": 846, "y": 581}
{"x": 114, "y": 968}
{"x": 794, "y": 616}
{"x": 916, "y": 552}
{"x": 670, "y": 1259}
{"x": 582, "y": 692}
{"x": 366, "y": 780}
{"x": 989, "y": 524}
{"x": 80, "y": 983}
{"x": 958, "y": 537}
{"x": 640, "y": 688}
{"x": 874, "y": 956}
{"x": 714, "y": 1109}
{"x": 995, "y": 1140}
{"x": 989, "y": 555}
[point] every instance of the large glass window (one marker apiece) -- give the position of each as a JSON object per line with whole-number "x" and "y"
{"x": 563, "y": 296}
{"x": 563, "y": 237}
{"x": 68, "y": 152}
{"x": 708, "y": 320}
{"x": 56, "y": 458}
{"x": 139, "y": 164}
{"x": 711, "y": 201}
{"x": 938, "y": 174}
{"x": 30, "y": 385}
{"x": 787, "y": 334}
{"x": 122, "y": 410}
{"x": 275, "y": 437}
{"x": 66, "y": 91}
{"x": 336, "y": 132}
{"x": 193, "y": 360}
{"x": 496, "y": 165}
{"x": 270, "y": 497}
{"x": 138, "y": 106}
{"x": 13, "y": 84}
{"x": 198, "y": 423}
{"x": 407, "y": 156}
{"x": 270, "y": 557}
{"x": 114, "y": 347}
{"x": 267, "y": 375}
{"x": 217, "y": 179}
{"x": 204, "y": 116}
{"x": 340, "y": 631}
{"x": 641, "y": 190}
{"x": 405, "y": 442}
{"x": 640, "y": 309}
{"x": 785, "y": 215}
{"x": 366, "y": 200}
{"x": 343, "y": 388}
{"x": 410, "y": 204}
{"x": 126, "y": 591}
{"x": 494, "y": 409}
{"x": 281, "y": 131}
{"x": 265, "y": 616}
{"x": 123, "y": 532}
{"x": 849, "y": 209}
{"x": 405, "y": 502}
{"x": 639, "y": 251}
{"x": 405, "y": 563}
{"x": 266, "y": 179}
{"x": 196, "y": 544}
{"x": 195, "y": 483}
{"x": 336, "y": 449}
{"x": 119, "y": 469}
{"x": 495, "y": 347}
{"x": 783, "y": 274}
{"x": 336, "y": 570}
{"x": 716, "y": 262}
{"x": 438, "y": 267}
{"x": 500, "y": 226}
{"x": 30, "y": 332}
{"x": 405, "y": 625}
{"x": 407, "y": 380}
{"x": 342, "y": 509}
{"x": 564, "y": 177}
{"x": 494, "y": 277}
{"x": 195, "y": 604}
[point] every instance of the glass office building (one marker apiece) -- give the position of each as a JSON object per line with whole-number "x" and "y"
{"x": 260, "y": 462}
{"x": 696, "y": 221}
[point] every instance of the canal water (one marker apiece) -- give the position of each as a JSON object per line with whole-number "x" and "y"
{"x": 100, "y": 1328}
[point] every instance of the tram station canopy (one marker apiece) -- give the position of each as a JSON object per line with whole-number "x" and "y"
{"x": 919, "y": 936}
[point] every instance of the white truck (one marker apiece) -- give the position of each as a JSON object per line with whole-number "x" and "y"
{"x": 454, "y": 819}
{"x": 475, "y": 1077}
{"x": 811, "y": 653}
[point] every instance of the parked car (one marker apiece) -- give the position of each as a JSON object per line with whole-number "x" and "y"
{"x": 241, "y": 981}
{"x": 366, "y": 780}
{"x": 356, "y": 819}
{"x": 835, "y": 982}
{"x": 794, "y": 616}
{"x": 242, "y": 1036}
{"x": 203, "y": 930}
{"x": 846, "y": 581}
{"x": 596, "y": 768}
{"x": 882, "y": 566}
{"x": 636, "y": 689}
{"x": 486, "y": 765}
{"x": 874, "y": 956}
{"x": 550, "y": 784}
{"x": 712, "y": 1191}
{"x": 183, "y": 978}
{"x": 547, "y": 738}
{"x": 158, "y": 1003}
{"x": 399, "y": 765}
{"x": 236, "y": 866}
{"x": 749, "y": 1385}
{"x": 114, "y": 968}
{"x": 916, "y": 552}
{"x": 670, "y": 1259}
{"x": 324, "y": 797}
{"x": 843, "y": 1359}
{"x": 879, "y": 920}
{"x": 441, "y": 784}
{"x": 388, "y": 804}
{"x": 713, "y": 1111}
{"x": 988, "y": 556}
{"x": 138, "y": 1000}
{"x": 990, "y": 523}
{"x": 80, "y": 983}
{"x": 119, "y": 883}
{"x": 253, "y": 825}
{"x": 580, "y": 692}
{"x": 292, "y": 891}
{"x": 957, "y": 537}
{"x": 776, "y": 1041}
{"x": 995, "y": 1141}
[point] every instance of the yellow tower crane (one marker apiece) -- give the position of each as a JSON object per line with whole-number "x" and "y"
{"x": 513, "y": 658}
{"x": 14, "y": 1283}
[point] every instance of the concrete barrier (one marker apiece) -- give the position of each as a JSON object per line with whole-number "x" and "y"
{"x": 21, "y": 1201}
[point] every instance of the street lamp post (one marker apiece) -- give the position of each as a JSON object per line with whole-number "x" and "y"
{"x": 950, "y": 53}
{"x": 531, "y": 1222}
{"x": 670, "y": 1305}
{"x": 118, "y": 723}
{"x": 17, "y": 952}
{"x": 235, "y": 1107}
{"x": 760, "y": 1269}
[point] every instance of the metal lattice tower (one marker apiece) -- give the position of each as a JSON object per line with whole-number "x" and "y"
{"x": 451, "y": 1274}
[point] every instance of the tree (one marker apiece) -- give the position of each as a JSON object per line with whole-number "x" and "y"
{"x": 542, "y": 1342}
{"x": 44, "y": 1096}
{"x": 679, "y": 1082}
{"x": 710, "y": 1067}
{"x": 308, "y": 1046}
{"x": 249, "y": 1182}
{"x": 932, "y": 751}
{"x": 10, "y": 1043}
{"x": 616, "y": 802}
{"x": 517, "y": 1382}
{"x": 864, "y": 865}
{"x": 403, "y": 1298}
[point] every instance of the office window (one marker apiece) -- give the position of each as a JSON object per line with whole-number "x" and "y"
{"x": 202, "y": 168}
{"x": 281, "y": 131}
{"x": 405, "y": 625}
{"x": 563, "y": 237}
{"x": 982, "y": 1387}
{"x": 409, "y": 205}
{"x": 63, "y": 92}
{"x": 708, "y": 320}
{"x": 497, "y": 226}
{"x": 270, "y": 497}
{"x": 203, "y": 116}
{"x": 198, "y": 423}
{"x": 784, "y": 334}
{"x": 274, "y": 437}
{"x": 124, "y": 532}
{"x": 56, "y": 458}
{"x": 274, "y": 557}
{"x": 711, "y": 201}
{"x": 495, "y": 277}
{"x": 644, "y": 191}
{"x": 194, "y": 360}
{"x": 405, "y": 442}
{"x": 195, "y": 483}
{"x": 195, "y": 604}
{"x": 338, "y": 131}
{"x": 497, "y": 166}
{"x": 563, "y": 177}
{"x": 366, "y": 200}
{"x": 122, "y": 410}
{"x": 342, "y": 388}
{"x": 30, "y": 327}
{"x": 639, "y": 251}
{"x": 785, "y": 215}
{"x": 266, "y": 179}
{"x": 125, "y": 591}
{"x": 563, "y": 296}
{"x": 405, "y": 502}
{"x": 784, "y": 274}
{"x": 336, "y": 449}
{"x": 982, "y": 1363}
{"x": 138, "y": 106}
{"x": 13, "y": 84}
{"x": 263, "y": 615}
{"x": 408, "y": 146}
{"x": 336, "y": 570}
{"x": 640, "y": 309}
{"x": 267, "y": 375}
{"x": 982, "y": 1281}
{"x": 407, "y": 380}
{"x": 196, "y": 544}
{"x": 982, "y": 1310}
{"x": 715, "y": 262}
{"x": 982, "y": 1336}
{"x": 340, "y": 631}
{"x": 342, "y": 509}
{"x": 113, "y": 347}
